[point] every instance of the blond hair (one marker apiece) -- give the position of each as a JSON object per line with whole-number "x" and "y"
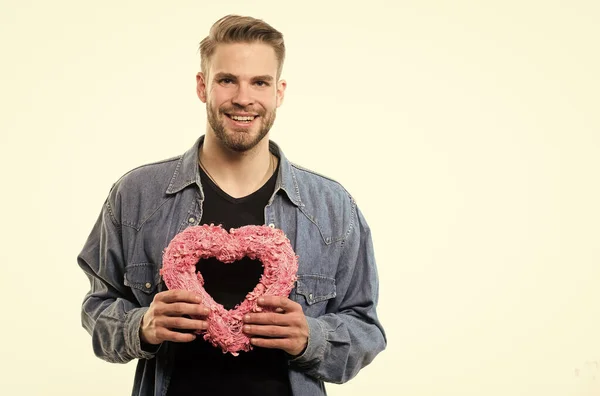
{"x": 241, "y": 29}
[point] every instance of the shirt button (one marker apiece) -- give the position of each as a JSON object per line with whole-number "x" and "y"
{"x": 272, "y": 225}
{"x": 148, "y": 285}
{"x": 310, "y": 296}
{"x": 191, "y": 220}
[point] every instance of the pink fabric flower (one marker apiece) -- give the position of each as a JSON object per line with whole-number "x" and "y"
{"x": 269, "y": 245}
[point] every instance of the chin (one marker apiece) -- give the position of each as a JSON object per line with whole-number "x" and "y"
{"x": 241, "y": 141}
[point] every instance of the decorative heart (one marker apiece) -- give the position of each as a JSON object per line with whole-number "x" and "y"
{"x": 269, "y": 245}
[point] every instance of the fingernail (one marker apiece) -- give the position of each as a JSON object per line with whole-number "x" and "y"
{"x": 247, "y": 328}
{"x": 261, "y": 300}
{"x": 247, "y": 317}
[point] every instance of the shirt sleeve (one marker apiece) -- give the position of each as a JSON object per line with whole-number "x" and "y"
{"x": 110, "y": 313}
{"x": 343, "y": 342}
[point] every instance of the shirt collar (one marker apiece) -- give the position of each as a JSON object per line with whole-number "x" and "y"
{"x": 187, "y": 172}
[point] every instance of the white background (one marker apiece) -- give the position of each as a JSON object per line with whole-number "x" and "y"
{"x": 468, "y": 132}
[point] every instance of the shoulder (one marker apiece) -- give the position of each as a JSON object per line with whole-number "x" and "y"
{"x": 153, "y": 174}
{"x": 141, "y": 190}
{"x": 310, "y": 181}
{"x": 326, "y": 202}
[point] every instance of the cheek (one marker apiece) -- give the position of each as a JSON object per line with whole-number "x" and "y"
{"x": 219, "y": 97}
{"x": 269, "y": 102}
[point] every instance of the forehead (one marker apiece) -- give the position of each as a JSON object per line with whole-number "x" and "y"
{"x": 244, "y": 59}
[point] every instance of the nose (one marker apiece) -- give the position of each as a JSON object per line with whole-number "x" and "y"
{"x": 243, "y": 96}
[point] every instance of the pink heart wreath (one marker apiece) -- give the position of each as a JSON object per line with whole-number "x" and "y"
{"x": 269, "y": 245}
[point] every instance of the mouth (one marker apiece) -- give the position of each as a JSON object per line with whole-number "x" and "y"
{"x": 242, "y": 119}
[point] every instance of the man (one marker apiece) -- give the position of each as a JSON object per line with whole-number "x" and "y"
{"x": 326, "y": 330}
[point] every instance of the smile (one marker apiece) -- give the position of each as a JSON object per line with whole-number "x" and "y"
{"x": 242, "y": 119}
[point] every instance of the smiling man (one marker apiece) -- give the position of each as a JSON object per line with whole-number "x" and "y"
{"x": 326, "y": 330}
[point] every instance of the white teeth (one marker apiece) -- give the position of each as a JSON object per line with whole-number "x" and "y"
{"x": 245, "y": 118}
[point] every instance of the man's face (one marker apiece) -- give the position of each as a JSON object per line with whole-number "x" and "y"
{"x": 241, "y": 93}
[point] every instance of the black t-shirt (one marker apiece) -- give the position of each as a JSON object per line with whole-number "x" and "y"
{"x": 200, "y": 368}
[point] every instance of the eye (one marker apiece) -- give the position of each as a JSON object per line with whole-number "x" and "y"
{"x": 225, "y": 81}
{"x": 262, "y": 83}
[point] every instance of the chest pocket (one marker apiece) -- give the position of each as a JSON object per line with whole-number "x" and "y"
{"x": 313, "y": 293}
{"x": 143, "y": 279}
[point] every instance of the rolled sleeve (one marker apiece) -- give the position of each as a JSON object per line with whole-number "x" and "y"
{"x": 315, "y": 349}
{"x": 348, "y": 338}
{"x": 133, "y": 342}
{"x": 109, "y": 313}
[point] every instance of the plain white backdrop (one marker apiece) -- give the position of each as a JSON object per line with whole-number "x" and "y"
{"x": 467, "y": 131}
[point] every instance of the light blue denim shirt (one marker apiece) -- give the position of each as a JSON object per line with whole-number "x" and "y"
{"x": 337, "y": 283}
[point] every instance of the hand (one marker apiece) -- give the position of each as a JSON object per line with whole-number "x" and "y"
{"x": 173, "y": 309}
{"x": 285, "y": 329}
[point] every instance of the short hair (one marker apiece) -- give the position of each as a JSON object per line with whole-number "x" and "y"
{"x": 241, "y": 29}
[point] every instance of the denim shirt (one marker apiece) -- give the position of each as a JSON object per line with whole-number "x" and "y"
{"x": 337, "y": 284}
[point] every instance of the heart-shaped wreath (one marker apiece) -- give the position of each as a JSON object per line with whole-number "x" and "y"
{"x": 269, "y": 245}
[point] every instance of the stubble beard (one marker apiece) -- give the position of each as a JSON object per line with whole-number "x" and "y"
{"x": 239, "y": 139}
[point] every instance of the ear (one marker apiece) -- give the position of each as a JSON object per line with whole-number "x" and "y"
{"x": 201, "y": 87}
{"x": 281, "y": 85}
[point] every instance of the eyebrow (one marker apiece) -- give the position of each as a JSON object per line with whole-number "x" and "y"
{"x": 266, "y": 78}
{"x": 222, "y": 75}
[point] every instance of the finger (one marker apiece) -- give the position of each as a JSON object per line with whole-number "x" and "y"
{"x": 272, "y": 343}
{"x": 186, "y": 323}
{"x": 174, "y": 336}
{"x": 267, "y": 331}
{"x": 180, "y": 309}
{"x": 275, "y": 302}
{"x": 173, "y": 296}
{"x": 268, "y": 319}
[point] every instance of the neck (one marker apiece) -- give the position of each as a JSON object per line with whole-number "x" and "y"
{"x": 238, "y": 174}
